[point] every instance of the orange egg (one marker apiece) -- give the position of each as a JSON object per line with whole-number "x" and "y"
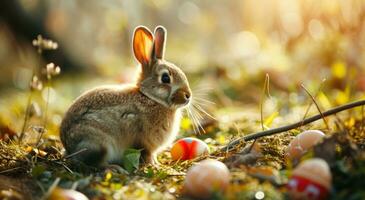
{"x": 302, "y": 142}
{"x": 188, "y": 148}
{"x": 206, "y": 177}
{"x": 311, "y": 179}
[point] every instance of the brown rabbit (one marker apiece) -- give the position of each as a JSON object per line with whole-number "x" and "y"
{"x": 146, "y": 115}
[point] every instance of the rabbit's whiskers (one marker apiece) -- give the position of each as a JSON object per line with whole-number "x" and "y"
{"x": 188, "y": 111}
{"x": 196, "y": 112}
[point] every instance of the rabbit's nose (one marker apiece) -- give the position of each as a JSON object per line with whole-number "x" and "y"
{"x": 187, "y": 96}
{"x": 181, "y": 96}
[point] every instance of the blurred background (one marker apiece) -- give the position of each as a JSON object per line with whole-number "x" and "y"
{"x": 225, "y": 48}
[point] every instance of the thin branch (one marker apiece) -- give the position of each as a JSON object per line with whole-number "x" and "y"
{"x": 340, "y": 123}
{"x": 295, "y": 125}
{"x": 252, "y": 145}
{"x": 317, "y": 106}
{"x": 51, "y": 188}
{"x": 26, "y": 117}
{"x": 75, "y": 153}
{"x": 41, "y": 187}
{"x": 45, "y": 114}
{"x": 315, "y": 96}
{"x": 362, "y": 118}
{"x": 74, "y": 185}
{"x": 65, "y": 166}
{"x": 9, "y": 170}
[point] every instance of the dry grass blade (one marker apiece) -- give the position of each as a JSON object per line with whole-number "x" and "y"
{"x": 51, "y": 188}
{"x": 26, "y": 117}
{"x": 315, "y": 96}
{"x": 75, "y": 153}
{"x": 317, "y": 106}
{"x": 266, "y": 88}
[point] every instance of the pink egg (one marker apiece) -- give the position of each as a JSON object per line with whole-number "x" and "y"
{"x": 206, "y": 177}
{"x": 302, "y": 142}
{"x": 188, "y": 148}
{"x": 311, "y": 179}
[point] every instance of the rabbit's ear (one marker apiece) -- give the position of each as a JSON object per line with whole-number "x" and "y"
{"x": 159, "y": 43}
{"x": 142, "y": 44}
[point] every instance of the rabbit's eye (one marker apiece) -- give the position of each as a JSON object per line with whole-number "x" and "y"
{"x": 165, "y": 78}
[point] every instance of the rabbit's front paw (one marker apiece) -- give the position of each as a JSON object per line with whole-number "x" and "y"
{"x": 149, "y": 158}
{"x": 115, "y": 168}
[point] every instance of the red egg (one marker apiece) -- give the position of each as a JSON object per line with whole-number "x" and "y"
{"x": 311, "y": 180}
{"x": 302, "y": 142}
{"x": 188, "y": 148}
{"x": 206, "y": 177}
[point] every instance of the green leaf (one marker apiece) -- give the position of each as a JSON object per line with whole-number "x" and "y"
{"x": 131, "y": 159}
{"x": 150, "y": 173}
{"x": 38, "y": 170}
{"x": 268, "y": 121}
{"x": 162, "y": 174}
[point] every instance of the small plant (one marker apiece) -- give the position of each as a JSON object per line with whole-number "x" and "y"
{"x": 131, "y": 159}
{"x": 36, "y": 83}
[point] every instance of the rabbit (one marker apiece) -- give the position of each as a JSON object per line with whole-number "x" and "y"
{"x": 107, "y": 120}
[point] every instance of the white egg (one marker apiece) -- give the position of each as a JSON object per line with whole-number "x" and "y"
{"x": 303, "y": 142}
{"x": 66, "y": 194}
{"x": 205, "y": 177}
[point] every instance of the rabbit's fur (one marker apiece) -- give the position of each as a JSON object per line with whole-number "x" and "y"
{"x": 109, "y": 119}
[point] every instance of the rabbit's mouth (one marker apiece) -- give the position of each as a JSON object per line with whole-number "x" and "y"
{"x": 179, "y": 105}
{"x": 181, "y": 98}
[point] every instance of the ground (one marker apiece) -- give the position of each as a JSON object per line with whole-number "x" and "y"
{"x": 252, "y": 66}
{"x": 27, "y": 168}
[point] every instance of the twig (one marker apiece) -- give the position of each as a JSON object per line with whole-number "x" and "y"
{"x": 74, "y": 185}
{"x": 362, "y": 118}
{"x": 340, "y": 123}
{"x": 45, "y": 115}
{"x": 41, "y": 187}
{"x": 295, "y": 125}
{"x": 317, "y": 106}
{"x": 315, "y": 96}
{"x": 58, "y": 151}
{"x": 42, "y": 131}
{"x": 9, "y": 170}
{"x": 65, "y": 166}
{"x": 75, "y": 153}
{"x": 51, "y": 188}
{"x": 252, "y": 145}
{"x": 58, "y": 162}
{"x": 26, "y": 117}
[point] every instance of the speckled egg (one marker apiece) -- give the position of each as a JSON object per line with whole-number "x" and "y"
{"x": 206, "y": 177}
{"x": 311, "y": 179}
{"x": 188, "y": 148}
{"x": 302, "y": 142}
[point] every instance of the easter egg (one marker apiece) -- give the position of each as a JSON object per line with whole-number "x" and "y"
{"x": 206, "y": 177}
{"x": 302, "y": 142}
{"x": 66, "y": 194}
{"x": 311, "y": 179}
{"x": 188, "y": 148}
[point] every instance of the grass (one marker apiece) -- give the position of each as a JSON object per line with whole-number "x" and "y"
{"x": 33, "y": 164}
{"x": 251, "y": 174}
